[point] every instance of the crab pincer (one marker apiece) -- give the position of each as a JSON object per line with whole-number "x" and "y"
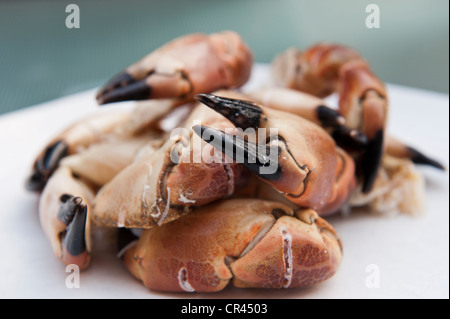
{"x": 73, "y": 212}
{"x": 299, "y": 160}
{"x": 78, "y": 136}
{"x": 183, "y": 67}
{"x": 64, "y": 210}
{"x": 315, "y": 110}
{"x": 45, "y": 165}
{"x": 363, "y": 101}
{"x": 327, "y": 68}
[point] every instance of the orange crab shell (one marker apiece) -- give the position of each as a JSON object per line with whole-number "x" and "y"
{"x": 240, "y": 240}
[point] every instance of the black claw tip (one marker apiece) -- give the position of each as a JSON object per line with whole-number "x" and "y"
{"x": 371, "y": 161}
{"x": 350, "y": 139}
{"x": 420, "y": 158}
{"x": 261, "y": 160}
{"x": 35, "y": 182}
{"x": 68, "y": 207}
{"x": 329, "y": 117}
{"x": 135, "y": 91}
{"x": 45, "y": 166}
{"x": 243, "y": 114}
{"x": 76, "y": 213}
{"x": 120, "y": 80}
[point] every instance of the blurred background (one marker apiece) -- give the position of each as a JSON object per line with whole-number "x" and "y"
{"x": 41, "y": 59}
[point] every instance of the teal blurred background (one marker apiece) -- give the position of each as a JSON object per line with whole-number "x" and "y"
{"x": 41, "y": 59}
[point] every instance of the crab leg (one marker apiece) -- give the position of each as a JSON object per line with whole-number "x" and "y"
{"x": 183, "y": 67}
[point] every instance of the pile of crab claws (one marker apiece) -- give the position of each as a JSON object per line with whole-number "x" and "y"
{"x": 45, "y": 165}
{"x": 257, "y": 237}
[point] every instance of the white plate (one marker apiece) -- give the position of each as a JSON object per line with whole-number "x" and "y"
{"x": 410, "y": 255}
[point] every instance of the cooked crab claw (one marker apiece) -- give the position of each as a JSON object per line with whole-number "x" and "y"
{"x": 363, "y": 101}
{"x": 246, "y": 242}
{"x": 263, "y": 160}
{"x": 45, "y": 165}
{"x": 247, "y": 114}
{"x": 64, "y": 217}
{"x": 185, "y": 66}
{"x": 326, "y": 68}
{"x": 299, "y": 160}
{"x": 73, "y": 212}
{"x": 96, "y": 128}
{"x": 123, "y": 87}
